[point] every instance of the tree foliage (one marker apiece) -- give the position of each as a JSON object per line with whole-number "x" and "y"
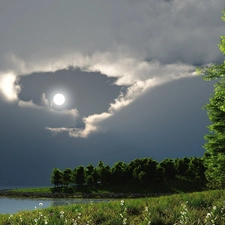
{"x": 67, "y": 176}
{"x": 144, "y": 171}
{"x": 79, "y": 175}
{"x": 214, "y": 157}
{"x": 56, "y": 177}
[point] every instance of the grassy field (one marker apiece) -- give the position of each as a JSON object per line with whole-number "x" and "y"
{"x": 207, "y": 207}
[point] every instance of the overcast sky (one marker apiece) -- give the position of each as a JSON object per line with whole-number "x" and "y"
{"x": 126, "y": 69}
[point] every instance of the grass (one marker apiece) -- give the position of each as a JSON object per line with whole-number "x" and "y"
{"x": 34, "y": 190}
{"x": 207, "y": 207}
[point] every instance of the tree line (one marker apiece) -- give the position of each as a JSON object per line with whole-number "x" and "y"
{"x": 142, "y": 171}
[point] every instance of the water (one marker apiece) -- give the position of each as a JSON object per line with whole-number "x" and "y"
{"x": 14, "y": 205}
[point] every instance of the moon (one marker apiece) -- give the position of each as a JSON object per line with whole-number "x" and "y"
{"x": 59, "y": 99}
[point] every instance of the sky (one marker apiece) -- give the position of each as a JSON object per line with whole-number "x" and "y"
{"x": 126, "y": 69}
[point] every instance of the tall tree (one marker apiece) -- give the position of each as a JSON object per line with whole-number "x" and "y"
{"x": 170, "y": 168}
{"x": 118, "y": 170}
{"x": 214, "y": 157}
{"x": 104, "y": 173}
{"x": 67, "y": 176}
{"x": 56, "y": 177}
{"x": 79, "y": 175}
{"x": 91, "y": 175}
{"x": 182, "y": 165}
{"x": 160, "y": 174}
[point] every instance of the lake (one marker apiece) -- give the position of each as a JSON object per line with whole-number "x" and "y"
{"x": 13, "y": 205}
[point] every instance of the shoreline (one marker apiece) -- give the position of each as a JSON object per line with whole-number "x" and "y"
{"x": 8, "y": 193}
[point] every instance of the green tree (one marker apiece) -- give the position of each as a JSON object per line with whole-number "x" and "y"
{"x": 91, "y": 176}
{"x": 196, "y": 169}
{"x": 67, "y": 176}
{"x": 104, "y": 173}
{"x": 143, "y": 170}
{"x": 118, "y": 170}
{"x": 170, "y": 168}
{"x": 133, "y": 170}
{"x": 79, "y": 175}
{"x": 56, "y": 177}
{"x": 160, "y": 174}
{"x": 214, "y": 157}
{"x": 182, "y": 165}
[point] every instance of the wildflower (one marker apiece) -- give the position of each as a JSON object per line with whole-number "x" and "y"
{"x": 210, "y": 217}
{"x": 147, "y": 215}
{"x": 122, "y": 202}
{"x": 61, "y": 214}
{"x": 124, "y": 221}
{"x": 121, "y": 215}
{"x": 183, "y": 214}
{"x": 21, "y": 219}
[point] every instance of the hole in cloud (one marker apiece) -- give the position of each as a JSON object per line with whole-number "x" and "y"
{"x": 89, "y": 92}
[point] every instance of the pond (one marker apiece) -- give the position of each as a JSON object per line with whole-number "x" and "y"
{"x": 13, "y": 205}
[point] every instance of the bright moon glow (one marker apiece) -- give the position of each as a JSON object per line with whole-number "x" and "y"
{"x": 59, "y": 99}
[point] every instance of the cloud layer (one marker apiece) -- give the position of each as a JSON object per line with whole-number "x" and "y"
{"x": 142, "y": 44}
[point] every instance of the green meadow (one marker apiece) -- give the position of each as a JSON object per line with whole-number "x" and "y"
{"x": 205, "y": 207}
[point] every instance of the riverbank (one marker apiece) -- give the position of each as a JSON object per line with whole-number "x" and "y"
{"x": 192, "y": 208}
{"x": 34, "y": 194}
{"x": 175, "y": 186}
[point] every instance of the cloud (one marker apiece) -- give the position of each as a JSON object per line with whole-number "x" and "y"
{"x": 44, "y": 100}
{"x": 29, "y": 104}
{"x": 46, "y": 107}
{"x": 157, "y": 72}
{"x": 135, "y": 73}
{"x": 9, "y": 86}
{"x": 142, "y": 44}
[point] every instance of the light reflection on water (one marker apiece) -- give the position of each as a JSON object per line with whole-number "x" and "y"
{"x": 13, "y": 205}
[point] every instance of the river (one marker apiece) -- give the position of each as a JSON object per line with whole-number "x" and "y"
{"x": 14, "y": 205}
